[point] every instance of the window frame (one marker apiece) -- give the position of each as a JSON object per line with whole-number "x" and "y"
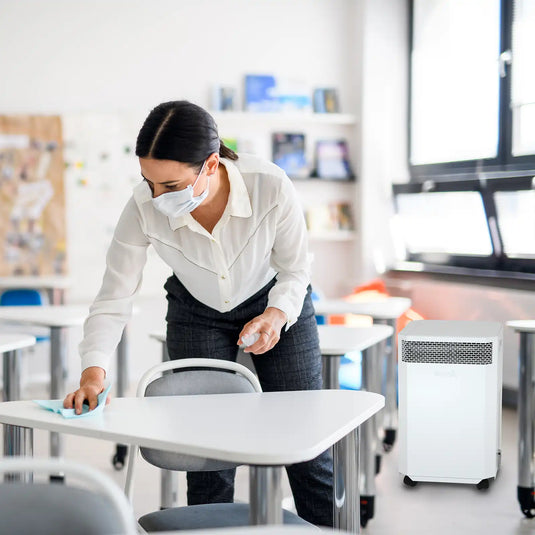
{"x": 504, "y": 162}
{"x": 498, "y": 263}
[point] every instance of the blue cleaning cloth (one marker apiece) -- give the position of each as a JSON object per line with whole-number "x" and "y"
{"x": 56, "y": 405}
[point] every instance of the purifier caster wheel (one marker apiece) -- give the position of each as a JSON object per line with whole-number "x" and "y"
{"x": 483, "y": 484}
{"x": 119, "y": 458}
{"x": 389, "y": 439}
{"x": 526, "y": 498}
{"x": 367, "y": 507}
{"x": 409, "y": 482}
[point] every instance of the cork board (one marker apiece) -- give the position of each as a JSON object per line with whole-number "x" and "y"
{"x": 32, "y": 196}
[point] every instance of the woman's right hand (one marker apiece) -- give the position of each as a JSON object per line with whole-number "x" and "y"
{"x": 91, "y": 385}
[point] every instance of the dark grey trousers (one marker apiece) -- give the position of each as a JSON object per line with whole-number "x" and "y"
{"x": 196, "y": 330}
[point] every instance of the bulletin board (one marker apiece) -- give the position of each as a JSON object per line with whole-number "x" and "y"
{"x": 32, "y": 196}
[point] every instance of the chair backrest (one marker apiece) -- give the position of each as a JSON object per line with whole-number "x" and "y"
{"x": 96, "y": 505}
{"x": 192, "y": 376}
{"x": 20, "y": 297}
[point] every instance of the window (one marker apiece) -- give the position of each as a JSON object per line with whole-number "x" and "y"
{"x": 462, "y": 225}
{"x": 470, "y": 205}
{"x": 472, "y": 94}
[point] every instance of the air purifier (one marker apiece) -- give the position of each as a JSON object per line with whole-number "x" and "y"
{"x": 450, "y": 400}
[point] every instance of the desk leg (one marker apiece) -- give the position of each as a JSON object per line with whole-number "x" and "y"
{"x": 391, "y": 382}
{"x": 122, "y": 364}
{"x": 526, "y": 424}
{"x": 330, "y": 369}
{"x": 18, "y": 441}
{"x": 121, "y": 450}
{"x": 346, "y": 488}
{"x": 11, "y": 375}
{"x": 265, "y": 495}
{"x": 58, "y": 350}
{"x": 15, "y": 438}
{"x": 368, "y": 446}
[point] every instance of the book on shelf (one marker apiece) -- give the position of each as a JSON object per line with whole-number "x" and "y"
{"x": 326, "y": 100}
{"x": 329, "y": 217}
{"x": 267, "y": 93}
{"x": 332, "y": 160}
{"x": 288, "y": 152}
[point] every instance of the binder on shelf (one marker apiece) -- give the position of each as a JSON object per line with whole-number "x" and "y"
{"x": 223, "y": 98}
{"x": 329, "y": 217}
{"x": 288, "y": 152}
{"x": 332, "y": 160}
{"x": 326, "y": 100}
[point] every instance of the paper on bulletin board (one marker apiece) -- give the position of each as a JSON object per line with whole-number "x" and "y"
{"x": 32, "y": 197}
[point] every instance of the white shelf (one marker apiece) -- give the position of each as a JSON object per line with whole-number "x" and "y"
{"x": 245, "y": 118}
{"x": 332, "y": 235}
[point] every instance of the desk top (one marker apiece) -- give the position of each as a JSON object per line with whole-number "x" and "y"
{"x": 522, "y": 326}
{"x": 47, "y": 315}
{"x": 339, "y": 339}
{"x": 387, "y": 308}
{"x": 11, "y": 342}
{"x": 35, "y": 282}
{"x": 273, "y": 428}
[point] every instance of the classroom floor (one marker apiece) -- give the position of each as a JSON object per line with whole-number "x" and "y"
{"x": 444, "y": 509}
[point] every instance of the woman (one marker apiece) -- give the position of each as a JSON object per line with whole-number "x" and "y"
{"x": 232, "y": 230}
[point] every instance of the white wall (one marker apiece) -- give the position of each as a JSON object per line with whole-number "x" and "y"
{"x": 103, "y": 64}
{"x": 385, "y": 53}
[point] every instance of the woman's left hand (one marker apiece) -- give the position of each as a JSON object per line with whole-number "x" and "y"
{"x": 268, "y": 325}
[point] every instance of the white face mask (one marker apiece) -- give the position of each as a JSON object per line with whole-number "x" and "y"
{"x": 177, "y": 203}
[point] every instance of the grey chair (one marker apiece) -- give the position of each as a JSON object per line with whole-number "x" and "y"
{"x": 193, "y": 377}
{"x": 95, "y": 505}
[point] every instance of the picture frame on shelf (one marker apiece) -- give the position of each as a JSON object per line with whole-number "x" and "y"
{"x": 325, "y": 100}
{"x": 332, "y": 160}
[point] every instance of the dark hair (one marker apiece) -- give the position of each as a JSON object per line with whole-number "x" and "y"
{"x": 180, "y": 131}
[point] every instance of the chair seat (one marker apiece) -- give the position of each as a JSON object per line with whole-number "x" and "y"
{"x": 27, "y": 508}
{"x": 214, "y": 515}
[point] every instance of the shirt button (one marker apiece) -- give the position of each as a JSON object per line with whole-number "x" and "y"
{"x": 223, "y": 277}
{"x": 227, "y": 301}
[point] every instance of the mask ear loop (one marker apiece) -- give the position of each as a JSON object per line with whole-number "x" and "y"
{"x": 199, "y": 175}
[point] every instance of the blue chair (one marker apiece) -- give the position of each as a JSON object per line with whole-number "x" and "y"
{"x": 23, "y": 297}
{"x": 350, "y": 373}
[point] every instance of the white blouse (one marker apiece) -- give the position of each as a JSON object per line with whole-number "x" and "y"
{"x": 260, "y": 235}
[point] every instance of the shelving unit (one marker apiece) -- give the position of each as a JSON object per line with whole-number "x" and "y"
{"x": 330, "y": 248}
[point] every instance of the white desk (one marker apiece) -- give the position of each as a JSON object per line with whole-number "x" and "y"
{"x": 10, "y": 346}
{"x": 526, "y": 415}
{"x": 336, "y": 341}
{"x": 58, "y": 319}
{"x": 263, "y": 430}
{"x": 55, "y": 286}
{"x": 384, "y": 310}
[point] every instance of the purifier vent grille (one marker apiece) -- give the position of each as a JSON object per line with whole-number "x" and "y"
{"x": 446, "y": 352}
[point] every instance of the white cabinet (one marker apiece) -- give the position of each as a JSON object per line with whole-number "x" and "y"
{"x": 334, "y": 246}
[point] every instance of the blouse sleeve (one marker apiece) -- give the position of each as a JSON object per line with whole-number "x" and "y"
{"x": 112, "y": 307}
{"x": 290, "y": 256}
